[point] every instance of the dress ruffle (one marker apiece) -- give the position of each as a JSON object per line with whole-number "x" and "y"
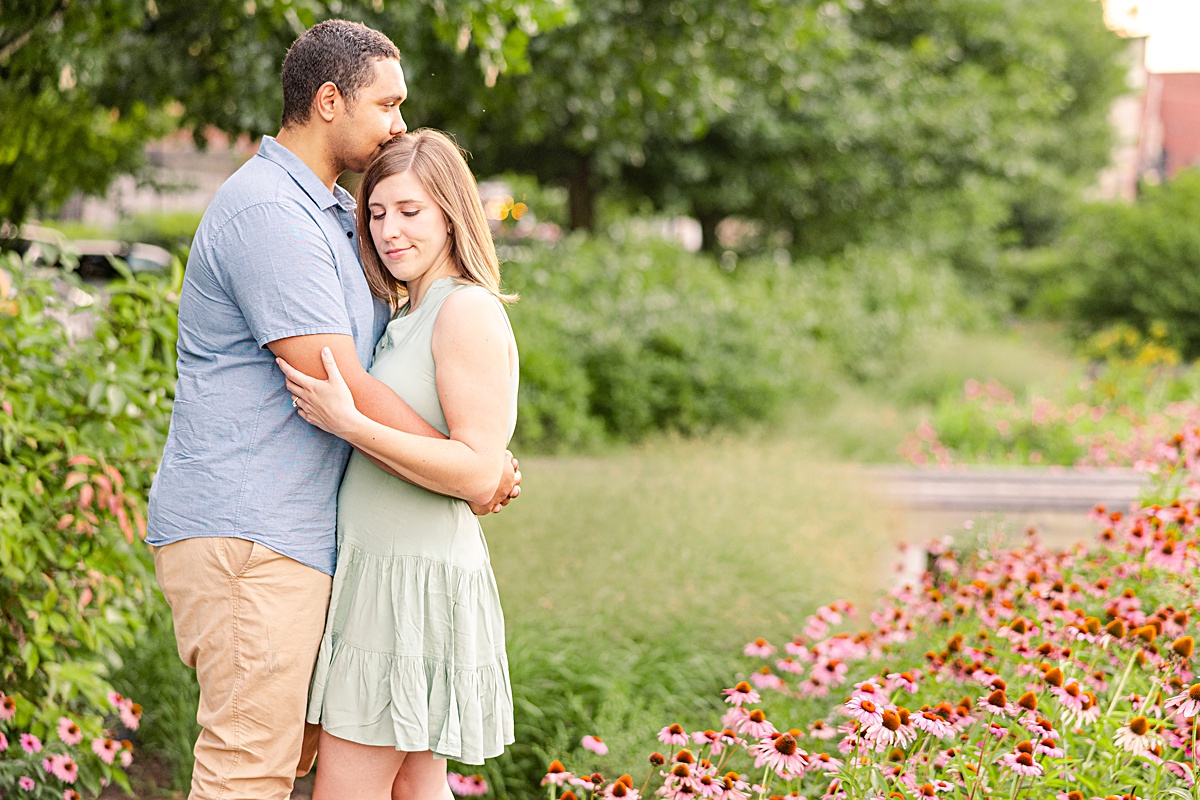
{"x": 413, "y": 658}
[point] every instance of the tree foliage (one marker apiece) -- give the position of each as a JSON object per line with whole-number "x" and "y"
{"x": 822, "y": 121}
{"x": 84, "y": 84}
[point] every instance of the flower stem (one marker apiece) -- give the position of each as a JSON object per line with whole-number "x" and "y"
{"x": 1113, "y": 702}
{"x": 984, "y": 747}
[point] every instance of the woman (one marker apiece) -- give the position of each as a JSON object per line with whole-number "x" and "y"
{"x": 412, "y": 669}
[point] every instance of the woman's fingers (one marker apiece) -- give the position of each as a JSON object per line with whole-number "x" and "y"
{"x": 293, "y": 375}
{"x": 335, "y": 377}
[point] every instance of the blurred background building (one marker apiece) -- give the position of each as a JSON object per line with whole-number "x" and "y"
{"x": 1159, "y": 124}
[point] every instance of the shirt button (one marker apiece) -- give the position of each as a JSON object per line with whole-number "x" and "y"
{"x": 349, "y": 234}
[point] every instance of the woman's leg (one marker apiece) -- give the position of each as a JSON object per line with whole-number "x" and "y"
{"x": 421, "y": 777}
{"x": 350, "y": 771}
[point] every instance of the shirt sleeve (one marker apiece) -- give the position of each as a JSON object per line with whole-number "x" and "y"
{"x": 279, "y": 267}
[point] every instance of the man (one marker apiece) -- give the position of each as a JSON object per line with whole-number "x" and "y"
{"x": 243, "y": 508}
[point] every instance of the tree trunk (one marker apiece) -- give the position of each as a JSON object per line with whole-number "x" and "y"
{"x": 579, "y": 193}
{"x": 708, "y": 231}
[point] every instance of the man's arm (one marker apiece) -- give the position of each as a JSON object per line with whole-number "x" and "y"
{"x": 371, "y": 396}
{"x": 376, "y": 400}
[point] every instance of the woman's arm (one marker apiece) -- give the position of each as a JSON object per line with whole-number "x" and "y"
{"x": 473, "y": 351}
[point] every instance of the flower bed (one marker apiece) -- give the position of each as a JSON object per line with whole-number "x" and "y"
{"x": 1015, "y": 672}
{"x": 1135, "y": 395}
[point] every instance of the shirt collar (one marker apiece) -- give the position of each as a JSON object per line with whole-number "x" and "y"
{"x": 304, "y": 177}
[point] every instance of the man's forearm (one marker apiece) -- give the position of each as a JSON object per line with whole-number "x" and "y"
{"x": 378, "y": 402}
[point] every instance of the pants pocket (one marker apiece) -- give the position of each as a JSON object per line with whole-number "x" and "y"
{"x": 238, "y": 554}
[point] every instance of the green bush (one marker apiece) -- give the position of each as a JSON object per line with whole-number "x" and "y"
{"x": 81, "y": 425}
{"x": 623, "y": 338}
{"x": 1140, "y": 263}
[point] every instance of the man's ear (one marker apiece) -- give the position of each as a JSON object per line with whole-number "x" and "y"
{"x": 328, "y": 101}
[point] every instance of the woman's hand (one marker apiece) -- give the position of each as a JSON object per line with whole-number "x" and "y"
{"x": 326, "y": 404}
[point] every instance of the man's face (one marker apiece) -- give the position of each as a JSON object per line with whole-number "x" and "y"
{"x": 373, "y": 118}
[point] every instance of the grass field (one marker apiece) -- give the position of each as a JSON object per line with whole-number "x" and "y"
{"x": 728, "y": 536}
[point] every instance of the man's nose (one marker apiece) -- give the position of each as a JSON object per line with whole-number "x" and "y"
{"x": 398, "y": 125}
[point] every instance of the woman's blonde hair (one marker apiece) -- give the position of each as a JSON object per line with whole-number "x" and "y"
{"x": 440, "y": 167}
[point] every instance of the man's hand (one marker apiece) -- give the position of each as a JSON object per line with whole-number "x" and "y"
{"x": 510, "y": 487}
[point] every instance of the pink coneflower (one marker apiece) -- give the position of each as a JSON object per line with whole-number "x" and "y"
{"x": 863, "y": 710}
{"x": 470, "y": 786}
{"x": 763, "y": 678}
{"x": 556, "y": 773}
{"x": 824, "y": 762}
{"x": 815, "y": 628}
{"x": 130, "y": 713}
{"x": 30, "y": 743}
{"x": 26, "y": 783}
{"x": 1181, "y": 769}
{"x": 3, "y": 742}
{"x": 903, "y": 680}
{"x": 1048, "y": 747}
{"x": 734, "y": 787}
{"x": 759, "y": 648}
{"x": 1070, "y": 696}
{"x": 8, "y": 707}
{"x": 674, "y": 735}
{"x": 1090, "y": 712}
{"x": 820, "y": 730}
{"x": 620, "y": 790}
{"x": 933, "y": 724}
{"x": 708, "y": 785}
{"x": 106, "y": 749}
{"x": 126, "y": 757}
{"x": 782, "y": 754}
{"x": 64, "y": 768}
{"x": 70, "y": 794}
{"x": 1188, "y": 703}
{"x": 741, "y": 693}
{"x": 1136, "y": 737}
{"x": 454, "y": 781}
{"x": 69, "y": 732}
{"x": 829, "y": 673}
{"x": 594, "y": 744}
{"x": 889, "y": 732}
{"x": 995, "y": 703}
{"x": 756, "y": 725}
{"x": 1041, "y": 727}
{"x": 789, "y": 664}
{"x": 1022, "y": 764}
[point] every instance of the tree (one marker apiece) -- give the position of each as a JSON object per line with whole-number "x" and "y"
{"x": 626, "y": 74}
{"x": 823, "y": 123}
{"x": 84, "y": 84}
{"x": 993, "y": 113}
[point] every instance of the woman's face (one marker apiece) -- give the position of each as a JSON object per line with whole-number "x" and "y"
{"x": 409, "y": 230}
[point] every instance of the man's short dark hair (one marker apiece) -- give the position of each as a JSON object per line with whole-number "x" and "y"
{"x": 336, "y": 51}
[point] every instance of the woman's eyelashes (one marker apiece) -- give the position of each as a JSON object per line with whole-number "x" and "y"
{"x": 405, "y": 213}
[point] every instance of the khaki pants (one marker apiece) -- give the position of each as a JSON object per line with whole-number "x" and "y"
{"x": 249, "y": 621}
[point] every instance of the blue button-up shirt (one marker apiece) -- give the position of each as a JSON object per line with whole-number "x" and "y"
{"x": 275, "y": 256}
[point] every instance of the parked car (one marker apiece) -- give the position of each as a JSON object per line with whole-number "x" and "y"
{"x": 93, "y": 257}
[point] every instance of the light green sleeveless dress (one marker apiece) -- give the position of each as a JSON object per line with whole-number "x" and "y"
{"x": 413, "y": 654}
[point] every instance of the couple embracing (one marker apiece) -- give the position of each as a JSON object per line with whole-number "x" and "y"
{"x": 347, "y": 390}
